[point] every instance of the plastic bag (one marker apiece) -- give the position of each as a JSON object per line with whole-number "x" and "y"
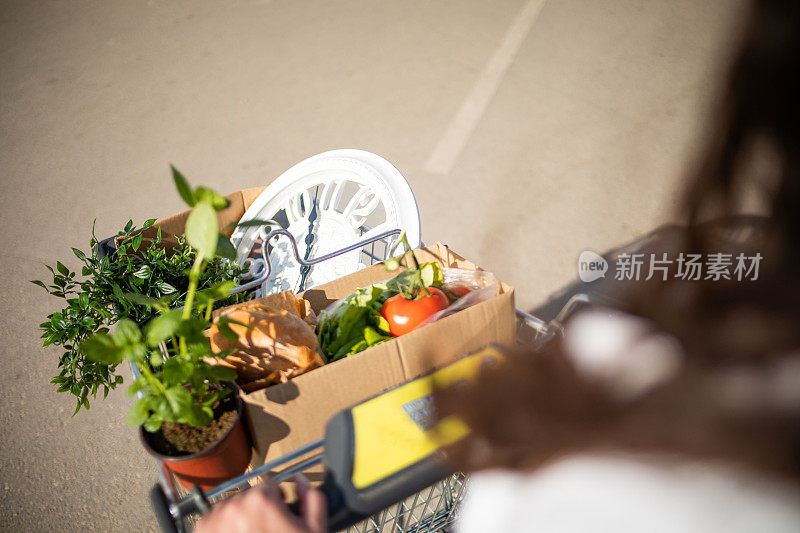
{"x": 482, "y": 286}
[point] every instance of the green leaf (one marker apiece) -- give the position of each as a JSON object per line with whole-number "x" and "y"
{"x": 139, "y": 413}
{"x": 61, "y": 268}
{"x": 225, "y": 248}
{"x": 39, "y": 283}
{"x": 137, "y": 385}
{"x": 219, "y": 290}
{"x": 408, "y": 281}
{"x": 143, "y": 272}
{"x": 135, "y": 352}
{"x": 156, "y": 358}
{"x": 141, "y": 299}
{"x": 202, "y": 229}
{"x": 212, "y": 398}
{"x": 162, "y": 327}
{"x": 80, "y": 255}
{"x": 165, "y": 287}
{"x": 128, "y": 331}
{"x": 372, "y": 336}
{"x": 225, "y": 330}
{"x": 383, "y": 325}
{"x": 102, "y": 349}
{"x": 147, "y": 223}
{"x": 180, "y": 399}
{"x": 198, "y": 416}
{"x": 193, "y": 330}
{"x": 137, "y": 241}
{"x": 219, "y": 372}
{"x": 153, "y": 423}
{"x": 204, "y": 194}
{"x": 117, "y": 291}
{"x": 183, "y": 186}
{"x": 176, "y": 371}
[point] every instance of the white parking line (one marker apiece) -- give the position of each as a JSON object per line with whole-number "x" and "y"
{"x": 451, "y": 144}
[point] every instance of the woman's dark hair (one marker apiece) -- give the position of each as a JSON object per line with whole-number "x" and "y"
{"x": 536, "y": 407}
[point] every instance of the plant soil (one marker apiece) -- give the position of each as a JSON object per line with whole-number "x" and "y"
{"x": 183, "y": 439}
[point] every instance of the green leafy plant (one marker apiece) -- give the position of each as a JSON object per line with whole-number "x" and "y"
{"x": 106, "y": 292}
{"x": 184, "y": 387}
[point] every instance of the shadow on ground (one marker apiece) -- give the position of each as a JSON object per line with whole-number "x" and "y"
{"x": 609, "y": 290}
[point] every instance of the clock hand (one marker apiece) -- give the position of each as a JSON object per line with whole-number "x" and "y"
{"x": 309, "y": 240}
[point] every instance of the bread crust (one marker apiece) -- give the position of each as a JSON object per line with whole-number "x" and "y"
{"x": 273, "y": 345}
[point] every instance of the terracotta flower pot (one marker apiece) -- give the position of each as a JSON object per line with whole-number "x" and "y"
{"x": 226, "y": 459}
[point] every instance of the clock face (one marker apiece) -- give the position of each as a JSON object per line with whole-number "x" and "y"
{"x": 329, "y": 203}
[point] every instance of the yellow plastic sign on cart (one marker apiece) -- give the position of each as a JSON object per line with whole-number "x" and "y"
{"x": 396, "y": 430}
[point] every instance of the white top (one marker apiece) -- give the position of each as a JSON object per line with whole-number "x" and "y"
{"x": 633, "y": 493}
{"x": 597, "y": 494}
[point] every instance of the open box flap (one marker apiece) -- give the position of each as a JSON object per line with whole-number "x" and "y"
{"x": 174, "y": 225}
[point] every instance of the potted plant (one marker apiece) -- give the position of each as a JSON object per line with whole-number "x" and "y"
{"x": 190, "y": 414}
{"x": 97, "y": 296}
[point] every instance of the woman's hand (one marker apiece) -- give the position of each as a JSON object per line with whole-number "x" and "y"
{"x": 262, "y": 509}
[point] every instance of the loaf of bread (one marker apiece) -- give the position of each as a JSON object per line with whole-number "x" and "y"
{"x": 273, "y": 345}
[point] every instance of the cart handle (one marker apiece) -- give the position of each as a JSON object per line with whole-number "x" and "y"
{"x": 547, "y": 330}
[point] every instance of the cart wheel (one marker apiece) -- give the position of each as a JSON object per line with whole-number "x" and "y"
{"x": 161, "y": 508}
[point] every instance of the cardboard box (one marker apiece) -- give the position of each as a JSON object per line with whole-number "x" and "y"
{"x": 285, "y": 417}
{"x": 240, "y": 201}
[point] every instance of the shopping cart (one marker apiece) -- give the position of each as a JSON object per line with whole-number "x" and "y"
{"x": 422, "y": 498}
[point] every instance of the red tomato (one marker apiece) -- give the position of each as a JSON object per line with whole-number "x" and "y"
{"x": 405, "y": 315}
{"x": 460, "y": 290}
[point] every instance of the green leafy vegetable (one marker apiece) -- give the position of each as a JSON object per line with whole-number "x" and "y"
{"x": 356, "y": 324}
